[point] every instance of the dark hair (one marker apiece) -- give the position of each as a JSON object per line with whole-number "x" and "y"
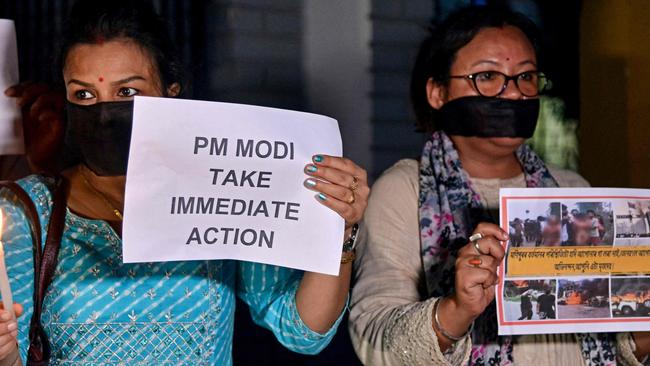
{"x": 438, "y": 51}
{"x": 98, "y": 21}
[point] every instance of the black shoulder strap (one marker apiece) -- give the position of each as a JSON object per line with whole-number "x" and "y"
{"x": 44, "y": 262}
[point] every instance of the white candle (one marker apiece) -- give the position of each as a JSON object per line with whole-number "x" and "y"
{"x": 5, "y": 289}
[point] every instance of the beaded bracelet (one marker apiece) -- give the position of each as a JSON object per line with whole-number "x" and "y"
{"x": 442, "y": 330}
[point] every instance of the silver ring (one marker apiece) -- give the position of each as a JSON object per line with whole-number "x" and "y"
{"x": 474, "y": 239}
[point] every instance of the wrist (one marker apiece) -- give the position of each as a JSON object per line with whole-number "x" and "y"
{"x": 445, "y": 337}
{"x": 348, "y": 252}
{"x": 453, "y": 316}
{"x": 351, "y": 242}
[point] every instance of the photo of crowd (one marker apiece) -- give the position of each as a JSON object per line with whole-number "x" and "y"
{"x": 630, "y": 296}
{"x": 632, "y": 222}
{"x": 558, "y": 224}
{"x": 534, "y": 225}
{"x": 583, "y": 298}
{"x": 530, "y": 299}
{"x": 587, "y": 224}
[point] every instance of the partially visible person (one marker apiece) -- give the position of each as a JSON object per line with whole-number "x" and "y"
{"x": 99, "y": 310}
{"x": 595, "y": 228}
{"x": 516, "y": 232}
{"x": 552, "y": 232}
{"x": 546, "y": 305}
{"x": 526, "y": 306}
{"x": 424, "y": 291}
{"x": 582, "y": 227}
{"x": 42, "y": 112}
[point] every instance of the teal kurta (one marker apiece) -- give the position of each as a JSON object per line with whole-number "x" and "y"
{"x": 101, "y": 311}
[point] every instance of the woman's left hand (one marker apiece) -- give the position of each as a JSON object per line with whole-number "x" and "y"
{"x": 341, "y": 184}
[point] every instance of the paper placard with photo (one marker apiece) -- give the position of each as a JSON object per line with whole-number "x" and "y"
{"x": 576, "y": 260}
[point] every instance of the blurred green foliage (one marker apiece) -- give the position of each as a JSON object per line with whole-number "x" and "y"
{"x": 556, "y": 137}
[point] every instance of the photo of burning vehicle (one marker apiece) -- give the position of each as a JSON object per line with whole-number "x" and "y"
{"x": 630, "y": 296}
{"x": 529, "y": 299}
{"x": 581, "y": 298}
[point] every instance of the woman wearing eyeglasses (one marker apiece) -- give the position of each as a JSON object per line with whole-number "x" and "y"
{"x": 429, "y": 246}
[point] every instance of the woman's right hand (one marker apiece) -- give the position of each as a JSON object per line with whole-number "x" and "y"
{"x": 476, "y": 277}
{"x": 43, "y": 120}
{"x": 9, "y": 331}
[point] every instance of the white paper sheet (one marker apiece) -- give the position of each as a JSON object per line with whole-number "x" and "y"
{"x": 170, "y": 161}
{"x": 11, "y": 129}
{"x": 576, "y": 261}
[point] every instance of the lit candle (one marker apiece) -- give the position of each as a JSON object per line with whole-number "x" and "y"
{"x": 5, "y": 289}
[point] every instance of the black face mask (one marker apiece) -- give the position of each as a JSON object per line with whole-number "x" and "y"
{"x": 99, "y": 135}
{"x": 488, "y": 117}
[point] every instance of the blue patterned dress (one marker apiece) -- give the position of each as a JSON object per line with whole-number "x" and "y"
{"x": 101, "y": 311}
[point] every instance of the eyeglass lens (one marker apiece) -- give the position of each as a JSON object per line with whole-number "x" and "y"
{"x": 492, "y": 83}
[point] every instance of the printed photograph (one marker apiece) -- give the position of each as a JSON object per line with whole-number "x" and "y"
{"x": 630, "y": 296}
{"x": 534, "y": 223}
{"x": 529, "y": 299}
{"x": 583, "y": 298}
{"x": 632, "y": 222}
{"x": 587, "y": 224}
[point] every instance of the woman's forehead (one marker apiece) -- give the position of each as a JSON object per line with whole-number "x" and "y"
{"x": 506, "y": 45}
{"x": 119, "y": 56}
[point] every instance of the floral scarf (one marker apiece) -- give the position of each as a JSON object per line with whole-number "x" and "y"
{"x": 449, "y": 211}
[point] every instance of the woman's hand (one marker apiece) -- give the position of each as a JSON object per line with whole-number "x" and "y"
{"x": 8, "y": 331}
{"x": 342, "y": 186}
{"x": 43, "y": 120}
{"x": 476, "y": 276}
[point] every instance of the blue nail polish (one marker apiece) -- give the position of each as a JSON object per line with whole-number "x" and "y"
{"x": 310, "y": 182}
{"x": 321, "y": 197}
{"x": 318, "y": 159}
{"x": 311, "y": 168}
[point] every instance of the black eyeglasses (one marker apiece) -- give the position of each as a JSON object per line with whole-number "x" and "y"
{"x": 493, "y": 83}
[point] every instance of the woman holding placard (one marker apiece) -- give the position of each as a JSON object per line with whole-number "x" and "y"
{"x": 429, "y": 249}
{"x": 97, "y": 310}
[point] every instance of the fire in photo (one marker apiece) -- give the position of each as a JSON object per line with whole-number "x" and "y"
{"x": 632, "y": 222}
{"x": 534, "y": 224}
{"x": 587, "y": 224}
{"x": 583, "y": 298}
{"x": 630, "y": 296}
{"x": 529, "y": 299}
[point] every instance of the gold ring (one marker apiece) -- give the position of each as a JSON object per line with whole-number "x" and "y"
{"x": 355, "y": 184}
{"x": 352, "y": 199}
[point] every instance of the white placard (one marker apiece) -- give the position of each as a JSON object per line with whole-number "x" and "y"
{"x": 210, "y": 180}
{"x": 11, "y": 128}
{"x": 576, "y": 260}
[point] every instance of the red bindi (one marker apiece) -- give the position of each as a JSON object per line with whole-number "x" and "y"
{"x": 101, "y": 79}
